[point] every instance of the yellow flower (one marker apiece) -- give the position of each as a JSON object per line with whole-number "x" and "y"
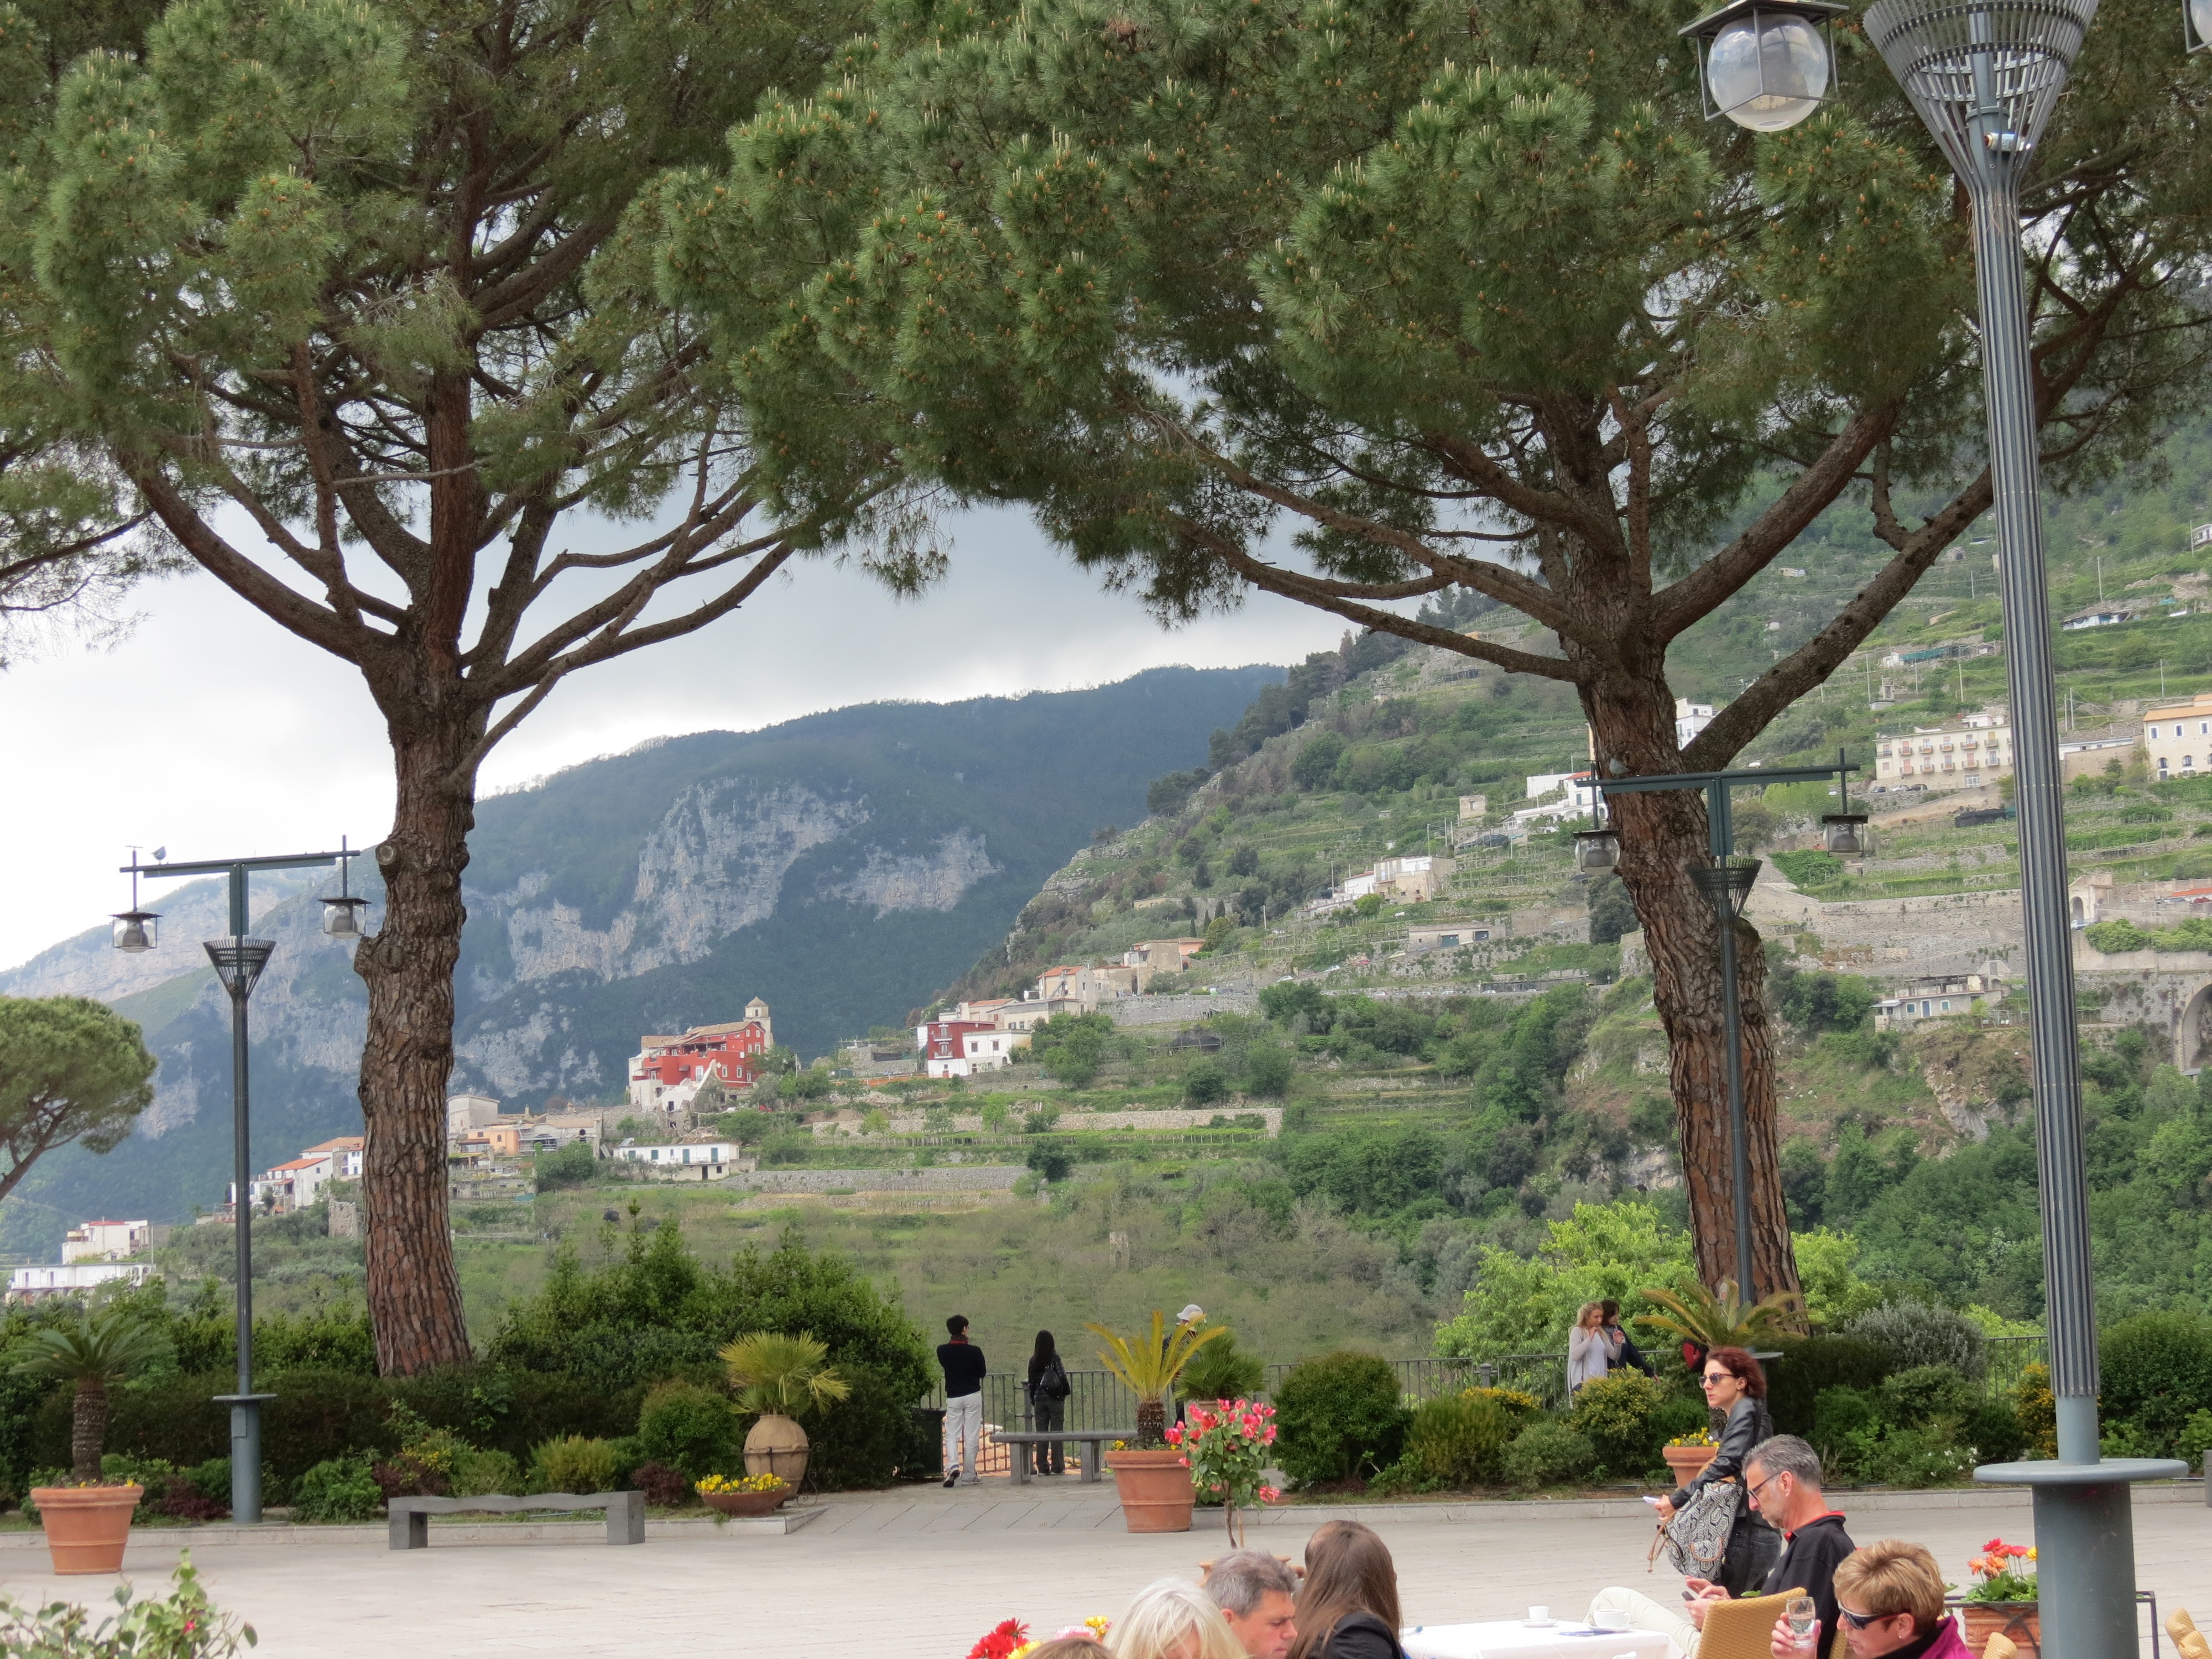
{"x": 2031, "y": 1551}
{"x": 1096, "y": 1624}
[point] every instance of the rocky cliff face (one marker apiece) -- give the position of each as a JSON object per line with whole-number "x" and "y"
{"x": 842, "y": 867}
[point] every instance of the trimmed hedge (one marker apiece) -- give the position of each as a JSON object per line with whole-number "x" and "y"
{"x": 1809, "y": 1366}
{"x": 2157, "y": 1372}
{"x": 322, "y": 1416}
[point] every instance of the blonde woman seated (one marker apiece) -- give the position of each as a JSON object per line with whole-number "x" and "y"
{"x": 1173, "y": 1619}
{"x": 1889, "y": 1597}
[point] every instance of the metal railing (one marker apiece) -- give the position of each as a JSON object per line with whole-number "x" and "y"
{"x": 1102, "y": 1400}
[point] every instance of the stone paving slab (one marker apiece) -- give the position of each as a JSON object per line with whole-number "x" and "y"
{"x": 846, "y": 1587}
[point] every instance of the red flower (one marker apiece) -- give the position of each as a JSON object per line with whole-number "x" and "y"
{"x": 1003, "y": 1639}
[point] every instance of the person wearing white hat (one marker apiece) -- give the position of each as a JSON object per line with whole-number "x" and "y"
{"x": 1191, "y": 1315}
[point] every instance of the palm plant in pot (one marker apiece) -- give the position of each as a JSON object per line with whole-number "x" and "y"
{"x": 1153, "y": 1477}
{"x": 88, "y": 1522}
{"x": 780, "y": 1375}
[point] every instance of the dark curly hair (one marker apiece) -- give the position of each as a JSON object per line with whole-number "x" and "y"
{"x": 1739, "y": 1364}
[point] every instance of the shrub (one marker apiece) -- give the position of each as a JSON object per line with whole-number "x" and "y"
{"x": 1548, "y": 1454}
{"x": 184, "y": 1624}
{"x": 1204, "y": 1084}
{"x": 1929, "y": 1454}
{"x": 1838, "y": 1418}
{"x": 1810, "y": 1366}
{"x": 572, "y": 1165}
{"x": 1613, "y": 1412}
{"x": 2036, "y": 1408}
{"x": 1522, "y": 1408}
{"x": 574, "y": 1464}
{"x": 689, "y": 1429}
{"x": 1222, "y": 1371}
{"x": 476, "y": 1472}
{"x": 338, "y": 1489}
{"x": 2194, "y": 1440}
{"x": 664, "y": 1488}
{"x": 1992, "y": 1429}
{"x": 1921, "y": 1333}
{"x": 1338, "y": 1417}
{"x": 1456, "y": 1440}
{"x": 1268, "y": 1069}
{"x": 1912, "y": 1397}
{"x": 2157, "y": 1372}
{"x": 1679, "y": 1413}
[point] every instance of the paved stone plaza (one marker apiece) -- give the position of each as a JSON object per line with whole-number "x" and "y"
{"x": 922, "y": 1572}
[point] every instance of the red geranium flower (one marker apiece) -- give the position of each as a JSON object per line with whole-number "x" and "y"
{"x": 1003, "y": 1639}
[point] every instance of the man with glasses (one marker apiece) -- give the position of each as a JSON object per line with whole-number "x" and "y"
{"x": 1783, "y": 1481}
{"x": 1889, "y": 1598}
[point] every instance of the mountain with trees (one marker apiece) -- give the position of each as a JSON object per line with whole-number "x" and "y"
{"x": 842, "y": 866}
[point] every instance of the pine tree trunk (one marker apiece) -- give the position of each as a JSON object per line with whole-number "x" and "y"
{"x": 1663, "y": 836}
{"x": 88, "y": 1429}
{"x": 414, "y": 1292}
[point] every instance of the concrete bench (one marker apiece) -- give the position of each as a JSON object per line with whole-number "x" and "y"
{"x": 409, "y": 1517}
{"x": 1093, "y": 1460}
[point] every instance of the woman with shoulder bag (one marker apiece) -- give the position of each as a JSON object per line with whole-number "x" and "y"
{"x": 1735, "y": 1384}
{"x": 1048, "y": 1389}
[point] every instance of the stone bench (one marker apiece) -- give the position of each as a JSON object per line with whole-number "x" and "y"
{"x": 1021, "y": 1439}
{"x": 409, "y": 1518}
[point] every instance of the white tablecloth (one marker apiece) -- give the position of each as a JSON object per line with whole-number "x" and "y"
{"x": 1512, "y": 1639}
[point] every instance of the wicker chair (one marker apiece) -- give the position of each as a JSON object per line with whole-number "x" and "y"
{"x": 1743, "y": 1628}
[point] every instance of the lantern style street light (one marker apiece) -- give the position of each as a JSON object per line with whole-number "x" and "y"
{"x": 339, "y": 920}
{"x": 1597, "y": 851}
{"x": 1984, "y": 77}
{"x": 239, "y": 960}
{"x": 1845, "y": 830}
{"x": 2195, "y": 24}
{"x": 1765, "y": 64}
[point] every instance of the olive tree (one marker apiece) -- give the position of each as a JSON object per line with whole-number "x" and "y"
{"x": 1353, "y": 303}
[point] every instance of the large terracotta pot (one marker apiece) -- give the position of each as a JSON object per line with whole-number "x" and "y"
{"x": 1688, "y": 1462}
{"x": 777, "y": 1445}
{"x": 87, "y": 1527}
{"x": 2019, "y": 1621}
{"x": 745, "y": 1503}
{"x": 1156, "y": 1495}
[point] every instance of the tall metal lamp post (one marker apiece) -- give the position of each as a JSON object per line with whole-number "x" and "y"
{"x": 238, "y": 962}
{"x": 1985, "y": 76}
{"x": 1729, "y": 885}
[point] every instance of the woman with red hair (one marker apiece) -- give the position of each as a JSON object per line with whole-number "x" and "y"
{"x": 1734, "y": 1382}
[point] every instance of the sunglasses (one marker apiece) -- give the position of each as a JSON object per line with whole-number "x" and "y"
{"x": 1861, "y": 1620}
{"x": 1714, "y": 1379}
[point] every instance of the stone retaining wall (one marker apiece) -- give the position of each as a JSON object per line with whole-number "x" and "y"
{"x": 940, "y": 1178}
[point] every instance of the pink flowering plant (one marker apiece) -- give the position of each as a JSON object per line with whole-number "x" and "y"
{"x": 1227, "y": 1446}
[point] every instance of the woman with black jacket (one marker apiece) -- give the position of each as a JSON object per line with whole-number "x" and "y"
{"x": 1048, "y": 1389}
{"x": 1734, "y": 1382}
{"x": 1348, "y": 1606}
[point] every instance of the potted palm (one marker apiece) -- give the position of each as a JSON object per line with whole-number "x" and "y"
{"x": 778, "y": 1375}
{"x": 1153, "y": 1477}
{"x": 88, "y": 1522}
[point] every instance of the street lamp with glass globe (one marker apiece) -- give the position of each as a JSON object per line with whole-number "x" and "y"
{"x": 2197, "y": 24}
{"x": 1766, "y": 64}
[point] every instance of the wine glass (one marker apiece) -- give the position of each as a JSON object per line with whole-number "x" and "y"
{"x": 1801, "y": 1616}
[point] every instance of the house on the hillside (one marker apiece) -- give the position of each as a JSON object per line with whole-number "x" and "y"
{"x": 1452, "y": 935}
{"x": 111, "y": 1241}
{"x": 1152, "y": 958}
{"x": 470, "y": 1111}
{"x": 37, "y": 1283}
{"x": 668, "y": 1073}
{"x": 1967, "y": 756}
{"x": 2098, "y": 616}
{"x": 685, "y": 1161}
{"x": 1082, "y": 989}
{"x": 2178, "y": 736}
{"x": 1948, "y": 996}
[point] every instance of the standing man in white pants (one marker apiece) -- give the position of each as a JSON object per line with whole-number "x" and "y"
{"x": 964, "y": 1403}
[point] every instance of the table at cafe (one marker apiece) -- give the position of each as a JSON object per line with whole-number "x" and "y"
{"x": 1511, "y": 1638}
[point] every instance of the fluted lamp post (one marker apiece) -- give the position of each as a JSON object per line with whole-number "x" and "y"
{"x": 239, "y": 960}
{"x": 1984, "y": 77}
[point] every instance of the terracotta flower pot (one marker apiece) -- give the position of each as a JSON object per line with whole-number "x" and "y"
{"x": 2019, "y": 1621}
{"x": 745, "y": 1503}
{"x": 1156, "y": 1495}
{"x": 1688, "y": 1462}
{"x": 777, "y": 1445}
{"x": 87, "y": 1527}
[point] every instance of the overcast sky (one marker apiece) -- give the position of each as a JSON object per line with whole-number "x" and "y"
{"x": 213, "y": 732}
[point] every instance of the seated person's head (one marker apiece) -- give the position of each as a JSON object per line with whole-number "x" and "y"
{"x": 1258, "y": 1595}
{"x": 1173, "y": 1619}
{"x": 1348, "y": 1571}
{"x": 1783, "y": 1480}
{"x": 1889, "y": 1594}
{"x": 1067, "y": 1647}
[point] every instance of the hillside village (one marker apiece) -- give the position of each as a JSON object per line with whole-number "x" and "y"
{"x": 1286, "y": 994}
